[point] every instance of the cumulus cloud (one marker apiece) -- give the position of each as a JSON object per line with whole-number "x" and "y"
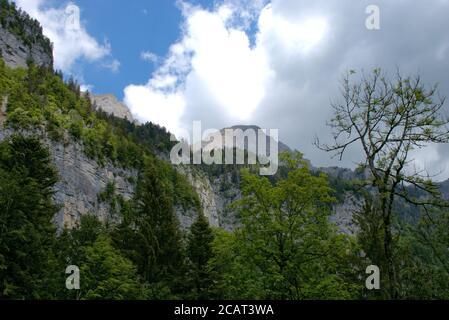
{"x": 72, "y": 42}
{"x": 213, "y": 65}
{"x": 278, "y": 64}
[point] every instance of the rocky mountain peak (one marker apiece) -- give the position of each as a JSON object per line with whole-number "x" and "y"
{"x": 110, "y": 104}
{"x": 247, "y": 128}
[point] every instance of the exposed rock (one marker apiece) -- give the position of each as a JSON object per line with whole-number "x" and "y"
{"x": 343, "y": 214}
{"x": 15, "y": 53}
{"x": 217, "y": 194}
{"x": 203, "y": 188}
{"x": 249, "y": 132}
{"x": 109, "y": 104}
{"x": 282, "y": 147}
{"x": 81, "y": 181}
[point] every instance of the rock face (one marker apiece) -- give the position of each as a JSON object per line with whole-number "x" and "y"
{"x": 203, "y": 188}
{"x": 15, "y": 52}
{"x": 214, "y": 198}
{"x": 82, "y": 180}
{"x": 109, "y": 104}
{"x": 343, "y": 212}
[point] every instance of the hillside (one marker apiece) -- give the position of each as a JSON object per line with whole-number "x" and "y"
{"x": 21, "y": 38}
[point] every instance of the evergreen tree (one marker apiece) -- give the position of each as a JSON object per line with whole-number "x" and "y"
{"x": 151, "y": 237}
{"x": 27, "y": 263}
{"x": 199, "y": 251}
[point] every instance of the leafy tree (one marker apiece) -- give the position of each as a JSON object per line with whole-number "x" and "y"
{"x": 388, "y": 119}
{"x": 106, "y": 274}
{"x": 286, "y": 234}
{"x": 233, "y": 277}
{"x": 424, "y": 257}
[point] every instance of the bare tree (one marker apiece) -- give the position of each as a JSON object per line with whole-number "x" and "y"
{"x": 388, "y": 119}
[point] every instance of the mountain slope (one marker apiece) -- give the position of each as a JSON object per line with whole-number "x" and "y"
{"x": 21, "y": 38}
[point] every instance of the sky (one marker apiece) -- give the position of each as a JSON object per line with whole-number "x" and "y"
{"x": 276, "y": 64}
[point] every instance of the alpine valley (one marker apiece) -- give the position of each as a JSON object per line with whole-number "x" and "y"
{"x": 84, "y": 183}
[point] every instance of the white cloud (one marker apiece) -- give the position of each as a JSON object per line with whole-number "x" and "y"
{"x": 71, "y": 40}
{"x": 113, "y": 65}
{"x": 278, "y": 65}
{"x": 149, "y": 104}
{"x": 149, "y": 56}
{"x": 215, "y": 70}
{"x": 297, "y": 36}
{"x": 86, "y": 87}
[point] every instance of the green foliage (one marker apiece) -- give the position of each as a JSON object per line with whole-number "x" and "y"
{"x": 38, "y": 100}
{"x": 287, "y": 240}
{"x": 284, "y": 248}
{"x": 423, "y": 257}
{"x": 104, "y": 272}
{"x": 234, "y": 277}
{"x": 107, "y": 274}
{"x": 150, "y": 235}
{"x": 199, "y": 251}
{"x": 27, "y": 262}
{"x": 388, "y": 119}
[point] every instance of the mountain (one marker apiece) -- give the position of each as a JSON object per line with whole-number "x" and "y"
{"x": 89, "y": 159}
{"x": 87, "y": 148}
{"x": 249, "y": 132}
{"x": 92, "y": 157}
{"x": 84, "y": 185}
{"x": 109, "y": 104}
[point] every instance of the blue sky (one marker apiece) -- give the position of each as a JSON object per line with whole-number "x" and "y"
{"x": 130, "y": 27}
{"x": 272, "y": 63}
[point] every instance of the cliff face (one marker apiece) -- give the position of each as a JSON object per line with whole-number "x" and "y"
{"x": 15, "y": 52}
{"x": 22, "y": 39}
{"x": 206, "y": 193}
{"x": 81, "y": 181}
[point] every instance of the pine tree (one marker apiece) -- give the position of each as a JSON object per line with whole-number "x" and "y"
{"x": 27, "y": 263}
{"x": 199, "y": 251}
{"x": 157, "y": 219}
{"x": 151, "y": 237}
